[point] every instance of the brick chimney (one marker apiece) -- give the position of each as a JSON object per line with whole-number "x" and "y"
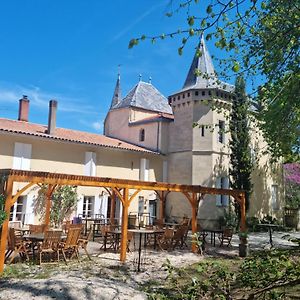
{"x": 52, "y": 117}
{"x": 23, "y": 109}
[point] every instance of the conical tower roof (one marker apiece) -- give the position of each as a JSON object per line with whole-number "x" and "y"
{"x": 117, "y": 93}
{"x": 202, "y": 74}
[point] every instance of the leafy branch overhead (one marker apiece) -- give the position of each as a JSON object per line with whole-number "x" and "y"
{"x": 261, "y": 39}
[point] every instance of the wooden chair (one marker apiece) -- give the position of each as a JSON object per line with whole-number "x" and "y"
{"x": 130, "y": 238}
{"x": 165, "y": 240}
{"x": 70, "y": 246}
{"x": 226, "y": 236}
{"x": 109, "y": 240}
{"x": 16, "y": 246}
{"x": 83, "y": 242}
{"x": 37, "y": 228}
{"x": 180, "y": 236}
{"x": 158, "y": 223}
{"x": 50, "y": 244}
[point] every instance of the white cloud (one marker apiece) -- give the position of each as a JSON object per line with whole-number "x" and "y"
{"x": 97, "y": 125}
{"x": 10, "y": 93}
{"x": 136, "y": 21}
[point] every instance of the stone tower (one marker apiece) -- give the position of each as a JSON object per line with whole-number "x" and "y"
{"x": 198, "y": 142}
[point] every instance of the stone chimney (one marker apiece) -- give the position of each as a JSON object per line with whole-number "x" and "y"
{"x": 23, "y": 109}
{"x": 52, "y": 117}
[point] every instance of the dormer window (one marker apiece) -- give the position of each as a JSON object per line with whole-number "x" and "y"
{"x": 142, "y": 135}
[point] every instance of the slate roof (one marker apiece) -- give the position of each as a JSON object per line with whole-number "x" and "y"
{"x": 117, "y": 93}
{"x": 145, "y": 95}
{"x": 63, "y": 134}
{"x": 204, "y": 65}
{"x": 156, "y": 118}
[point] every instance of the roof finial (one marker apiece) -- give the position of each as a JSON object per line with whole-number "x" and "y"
{"x": 150, "y": 79}
{"x": 140, "y": 77}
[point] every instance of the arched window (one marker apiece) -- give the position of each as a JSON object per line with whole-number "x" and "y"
{"x": 142, "y": 135}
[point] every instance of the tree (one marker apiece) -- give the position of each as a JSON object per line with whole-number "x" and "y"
{"x": 64, "y": 200}
{"x": 3, "y": 214}
{"x": 240, "y": 156}
{"x": 292, "y": 184}
{"x": 262, "y": 41}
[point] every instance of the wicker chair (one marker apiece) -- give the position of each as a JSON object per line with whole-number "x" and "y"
{"x": 50, "y": 245}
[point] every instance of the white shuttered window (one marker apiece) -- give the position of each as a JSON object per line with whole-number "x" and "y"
{"x": 90, "y": 164}
{"x": 144, "y": 169}
{"x": 22, "y": 156}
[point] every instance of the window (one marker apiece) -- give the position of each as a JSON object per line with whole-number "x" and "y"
{"x": 217, "y": 94}
{"x": 18, "y": 210}
{"x": 221, "y": 133}
{"x": 189, "y": 94}
{"x": 178, "y": 97}
{"x": 274, "y": 197}
{"x": 22, "y": 156}
{"x": 88, "y": 205}
{"x": 202, "y": 130}
{"x": 183, "y": 96}
{"x": 90, "y": 164}
{"x": 222, "y": 183}
{"x": 142, "y": 135}
{"x": 141, "y": 205}
{"x": 203, "y": 93}
{"x": 144, "y": 169}
{"x": 209, "y": 93}
{"x": 196, "y": 93}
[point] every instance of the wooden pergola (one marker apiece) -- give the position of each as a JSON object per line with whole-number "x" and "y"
{"x": 116, "y": 187}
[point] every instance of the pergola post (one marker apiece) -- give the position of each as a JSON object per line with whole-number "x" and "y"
{"x": 4, "y": 232}
{"x": 49, "y": 193}
{"x": 124, "y": 229}
{"x": 112, "y": 206}
{"x": 194, "y": 219}
{"x": 242, "y": 202}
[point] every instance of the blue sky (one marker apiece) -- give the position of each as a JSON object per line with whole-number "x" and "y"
{"x": 70, "y": 51}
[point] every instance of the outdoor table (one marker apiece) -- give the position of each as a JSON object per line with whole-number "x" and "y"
{"x": 172, "y": 224}
{"x": 145, "y": 232}
{"x": 212, "y": 234}
{"x": 269, "y": 226}
{"x": 38, "y": 237}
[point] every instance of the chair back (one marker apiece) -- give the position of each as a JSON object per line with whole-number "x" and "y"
{"x": 51, "y": 239}
{"x": 79, "y": 226}
{"x": 37, "y": 228}
{"x": 169, "y": 233}
{"x": 11, "y": 241}
{"x": 15, "y": 224}
{"x": 179, "y": 233}
{"x": 72, "y": 237}
{"x": 227, "y": 233}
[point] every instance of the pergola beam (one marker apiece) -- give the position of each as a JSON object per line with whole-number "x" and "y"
{"x": 116, "y": 185}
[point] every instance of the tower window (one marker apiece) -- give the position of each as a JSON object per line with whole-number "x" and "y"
{"x": 221, "y": 133}
{"x": 142, "y": 135}
{"x": 202, "y": 130}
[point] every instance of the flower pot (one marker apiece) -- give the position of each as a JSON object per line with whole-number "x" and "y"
{"x": 243, "y": 250}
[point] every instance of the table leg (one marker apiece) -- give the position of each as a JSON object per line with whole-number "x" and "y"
{"x": 270, "y": 233}
{"x": 140, "y": 252}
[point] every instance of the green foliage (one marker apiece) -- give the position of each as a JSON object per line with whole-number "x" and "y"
{"x": 260, "y": 38}
{"x": 3, "y": 214}
{"x": 240, "y": 156}
{"x": 266, "y": 275}
{"x": 63, "y": 203}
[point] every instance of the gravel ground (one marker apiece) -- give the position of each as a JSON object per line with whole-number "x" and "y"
{"x": 105, "y": 277}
